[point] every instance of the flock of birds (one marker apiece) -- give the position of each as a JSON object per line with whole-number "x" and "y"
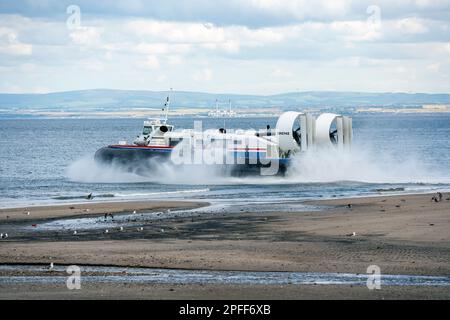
{"x": 110, "y": 215}
{"x": 106, "y": 216}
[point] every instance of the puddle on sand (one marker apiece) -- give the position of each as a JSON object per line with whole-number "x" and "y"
{"x": 104, "y": 274}
{"x": 129, "y": 219}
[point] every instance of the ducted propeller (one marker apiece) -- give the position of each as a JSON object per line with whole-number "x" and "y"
{"x": 334, "y": 136}
{"x": 297, "y": 135}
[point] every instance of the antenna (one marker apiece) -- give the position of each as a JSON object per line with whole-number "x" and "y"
{"x": 167, "y": 104}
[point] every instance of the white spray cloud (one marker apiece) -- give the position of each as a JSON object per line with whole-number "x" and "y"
{"x": 319, "y": 166}
{"x": 360, "y": 165}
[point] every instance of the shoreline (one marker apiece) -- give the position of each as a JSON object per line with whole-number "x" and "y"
{"x": 127, "y": 205}
{"x": 71, "y": 210}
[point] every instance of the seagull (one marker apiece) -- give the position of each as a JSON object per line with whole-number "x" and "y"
{"x": 140, "y": 229}
{"x": 51, "y": 266}
{"x": 134, "y": 212}
{"x": 106, "y": 231}
{"x": 121, "y": 228}
{"x": 1, "y": 235}
{"x": 5, "y": 236}
{"x": 162, "y": 230}
{"x": 28, "y": 213}
{"x": 75, "y": 232}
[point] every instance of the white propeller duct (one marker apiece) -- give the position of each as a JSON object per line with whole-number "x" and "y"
{"x": 333, "y": 129}
{"x": 291, "y": 130}
{"x": 297, "y": 131}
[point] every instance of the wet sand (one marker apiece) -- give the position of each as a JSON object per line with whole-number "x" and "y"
{"x": 401, "y": 234}
{"x": 93, "y": 208}
{"x": 221, "y": 292}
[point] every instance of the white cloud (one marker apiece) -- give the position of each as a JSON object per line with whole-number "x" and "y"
{"x": 176, "y": 31}
{"x": 9, "y": 44}
{"x": 257, "y": 41}
{"x": 411, "y": 26}
{"x": 161, "y": 78}
{"x": 228, "y": 39}
{"x": 28, "y": 67}
{"x": 85, "y": 36}
{"x": 434, "y": 67}
{"x": 203, "y": 75}
{"x": 281, "y": 73}
{"x": 355, "y": 30}
{"x": 19, "y": 89}
{"x": 446, "y": 47}
{"x": 151, "y": 62}
{"x": 92, "y": 65}
{"x": 174, "y": 60}
{"x": 160, "y": 48}
{"x": 302, "y": 9}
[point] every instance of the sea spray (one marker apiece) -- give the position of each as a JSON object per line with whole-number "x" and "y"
{"x": 360, "y": 164}
{"x": 87, "y": 170}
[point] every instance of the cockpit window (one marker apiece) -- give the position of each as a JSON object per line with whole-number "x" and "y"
{"x": 147, "y": 130}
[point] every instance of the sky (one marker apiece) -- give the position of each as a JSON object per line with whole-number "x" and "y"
{"x": 225, "y": 46}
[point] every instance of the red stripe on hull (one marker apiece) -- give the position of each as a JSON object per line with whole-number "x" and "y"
{"x": 140, "y": 147}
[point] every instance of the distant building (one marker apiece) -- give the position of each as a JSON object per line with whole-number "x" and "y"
{"x": 222, "y": 113}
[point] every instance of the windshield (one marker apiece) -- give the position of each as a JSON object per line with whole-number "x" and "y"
{"x": 147, "y": 130}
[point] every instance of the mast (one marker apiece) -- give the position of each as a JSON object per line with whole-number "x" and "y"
{"x": 167, "y": 105}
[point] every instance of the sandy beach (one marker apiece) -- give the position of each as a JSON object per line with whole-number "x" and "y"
{"x": 406, "y": 234}
{"x": 94, "y": 208}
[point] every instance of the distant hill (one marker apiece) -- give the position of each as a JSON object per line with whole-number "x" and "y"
{"x": 114, "y": 100}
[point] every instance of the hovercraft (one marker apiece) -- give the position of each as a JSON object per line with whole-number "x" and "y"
{"x": 238, "y": 152}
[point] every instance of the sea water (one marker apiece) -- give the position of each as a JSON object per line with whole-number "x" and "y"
{"x": 46, "y": 161}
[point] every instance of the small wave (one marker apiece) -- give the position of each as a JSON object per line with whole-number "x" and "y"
{"x": 389, "y": 189}
{"x": 161, "y": 193}
{"x": 107, "y": 195}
